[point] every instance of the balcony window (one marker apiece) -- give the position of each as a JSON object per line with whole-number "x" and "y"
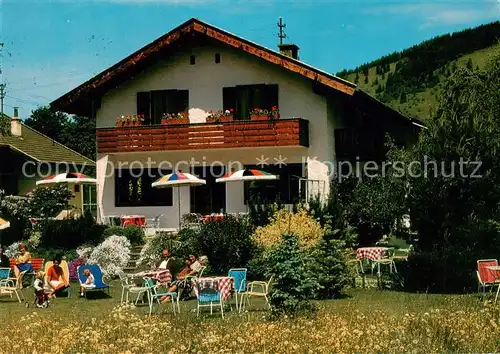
{"x": 244, "y": 98}
{"x": 133, "y": 188}
{"x": 153, "y": 104}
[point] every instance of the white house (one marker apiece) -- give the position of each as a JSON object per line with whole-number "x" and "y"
{"x": 198, "y": 68}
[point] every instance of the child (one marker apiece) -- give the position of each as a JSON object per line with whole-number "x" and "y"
{"x": 40, "y": 296}
{"x": 89, "y": 283}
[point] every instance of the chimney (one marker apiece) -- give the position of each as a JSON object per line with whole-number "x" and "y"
{"x": 290, "y": 50}
{"x": 15, "y": 123}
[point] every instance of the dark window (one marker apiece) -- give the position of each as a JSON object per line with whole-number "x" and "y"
{"x": 217, "y": 58}
{"x": 211, "y": 197}
{"x": 245, "y": 98}
{"x": 77, "y": 188}
{"x": 192, "y": 60}
{"x": 285, "y": 189}
{"x": 133, "y": 188}
{"x": 156, "y": 103}
{"x": 144, "y": 106}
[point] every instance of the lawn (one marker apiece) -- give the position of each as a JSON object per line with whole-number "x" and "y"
{"x": 364, "y": 321}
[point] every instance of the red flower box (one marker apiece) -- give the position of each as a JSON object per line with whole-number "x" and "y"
{"x": 259, "y": 117}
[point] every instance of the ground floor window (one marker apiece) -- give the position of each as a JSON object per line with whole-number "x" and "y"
{"x": 211, "y": 197}
{"x": 133, "y": 188}
{"x": 285, "y": 189}
{"x": 90, "y": 199}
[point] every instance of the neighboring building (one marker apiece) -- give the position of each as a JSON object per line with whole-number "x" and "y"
{"x": 27, "y": 156}
{"x": 197, "y": 68}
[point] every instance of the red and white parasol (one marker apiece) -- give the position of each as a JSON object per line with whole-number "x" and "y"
{"x": 71, "y": 177}
{"x": 4, "y": 224}
{"x": 247, "y": 175}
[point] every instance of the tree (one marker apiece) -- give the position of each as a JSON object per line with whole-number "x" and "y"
{"x": 47, "y": 122}
{"x": 77, "y": 133}
{"x": 366, "y": 79}
{"x": 456, "y": 209}
{"x": 4, "y": 125}
{"x": 470, "y": 65}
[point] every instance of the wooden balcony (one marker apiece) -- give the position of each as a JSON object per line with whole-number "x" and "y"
{"x": 197, "y": 136}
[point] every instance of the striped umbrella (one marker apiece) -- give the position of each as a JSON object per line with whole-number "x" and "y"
{"x": 178, "y": 179}
{"x": 247, "y": 175}
{"x": 71, "y": 177}
{"x": 4, "y": 224}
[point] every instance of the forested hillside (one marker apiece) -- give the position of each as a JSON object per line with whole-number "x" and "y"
{"x": 411, "y": 80}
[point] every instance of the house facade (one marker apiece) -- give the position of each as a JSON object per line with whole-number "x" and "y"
{"x": 28, "y": 156}
{"x": 197, "y": 68}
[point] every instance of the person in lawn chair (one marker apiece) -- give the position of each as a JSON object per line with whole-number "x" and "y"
{"x": 55, "y": 277}
{"x": 193, "y": 267}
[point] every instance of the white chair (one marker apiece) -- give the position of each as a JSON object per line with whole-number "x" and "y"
{"x": 388, "y": 260}
{"x": 9, "y": 287}
{"x": 125, "y": 283}
{"x": 153, "y": 224}
{"x": 256, "y": 289}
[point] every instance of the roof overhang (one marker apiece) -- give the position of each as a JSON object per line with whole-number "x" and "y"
{"x": 82, "y": 99}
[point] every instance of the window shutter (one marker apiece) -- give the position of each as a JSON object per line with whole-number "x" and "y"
{"x": 143, "y": 106}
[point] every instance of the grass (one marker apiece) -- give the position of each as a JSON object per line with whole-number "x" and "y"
{"x": 367, "y": 320}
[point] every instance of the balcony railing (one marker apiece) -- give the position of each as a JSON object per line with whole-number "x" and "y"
{"x": 235, "y": 134}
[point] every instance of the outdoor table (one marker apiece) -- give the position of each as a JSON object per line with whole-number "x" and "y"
{"x": 372, "y": 253}
{"x": 222, "y": 284}
{"x": 139, "y": 220}
{"x": 163, "y": 276}
{"x": 495, "y": 270}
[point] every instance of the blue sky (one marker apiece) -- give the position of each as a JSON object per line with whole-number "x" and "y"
{"x": 53, "y": 46}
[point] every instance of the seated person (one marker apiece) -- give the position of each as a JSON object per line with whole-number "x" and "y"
{"x": 164, "y": 263}
{"x": 89, "y": 283}
{"x": 55, "y": 278}
{"x": 4, "y": 260}
{"x": 23, "y": 261}
{"x": 193, "y": 267}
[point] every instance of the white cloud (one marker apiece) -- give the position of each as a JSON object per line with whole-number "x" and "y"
{"x": 447, "y": 13}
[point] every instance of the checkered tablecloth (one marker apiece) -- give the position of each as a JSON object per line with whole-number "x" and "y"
{"x": 372, "y": 253}
{"x": 222, "y": 284}
{"x": 163, "y": 276}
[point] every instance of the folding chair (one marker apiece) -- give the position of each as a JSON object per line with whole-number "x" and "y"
{"x": 153, "y": 295}
{"x": 207, "y": 296}
{"x": 486, "y": 277}
{"x": 239, "y": 276}
{"x": 257, "y": 289}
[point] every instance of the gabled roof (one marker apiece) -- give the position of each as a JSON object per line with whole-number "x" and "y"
{"x": 41, "y": 148}
{"x": 78, "y": 100}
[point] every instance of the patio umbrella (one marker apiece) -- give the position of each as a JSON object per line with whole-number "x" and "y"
{"x": 178, "y": 179}
{"x": 71, "y": 177}
{"x": 4, "y": 224}
{"x": 247, "y": 175}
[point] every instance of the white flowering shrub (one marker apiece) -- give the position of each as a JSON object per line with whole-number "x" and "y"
{"x": 84, "y": 252}
{"x": 12, "y": 250}
{"x": 112, "y": 255}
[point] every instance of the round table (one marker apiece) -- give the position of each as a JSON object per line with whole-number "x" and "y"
{"x": 139, "y": 220}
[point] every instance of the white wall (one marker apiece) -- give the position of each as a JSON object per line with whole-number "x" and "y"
{"x": 205, "y": 81}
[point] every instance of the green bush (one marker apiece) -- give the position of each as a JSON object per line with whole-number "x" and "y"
{"x": 135, "y": 234}
{"x": 261, "y": 211}
{"x": 50, "y": 253}
{"x": 71, "y": 233}
{"x": 329, "y": 262}
{"x": 294, "y": 284}
{"x": 151, "y": 253}
{"x": 227, "y": 243}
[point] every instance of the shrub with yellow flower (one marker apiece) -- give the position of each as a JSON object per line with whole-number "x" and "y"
{"x": 300, "y": 223}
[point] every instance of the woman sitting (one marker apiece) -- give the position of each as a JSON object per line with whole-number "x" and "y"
{"x": 192, "y": 268}
{"x": 23, "y": 261}
{"x": 55, "y": 278}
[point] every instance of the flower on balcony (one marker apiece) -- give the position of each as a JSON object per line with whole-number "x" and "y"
{"x": 272, "y": 113}
{"x": 168, "y": 116}
{"x": 216, "y": 115}
{"x": 130, "y": 119}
